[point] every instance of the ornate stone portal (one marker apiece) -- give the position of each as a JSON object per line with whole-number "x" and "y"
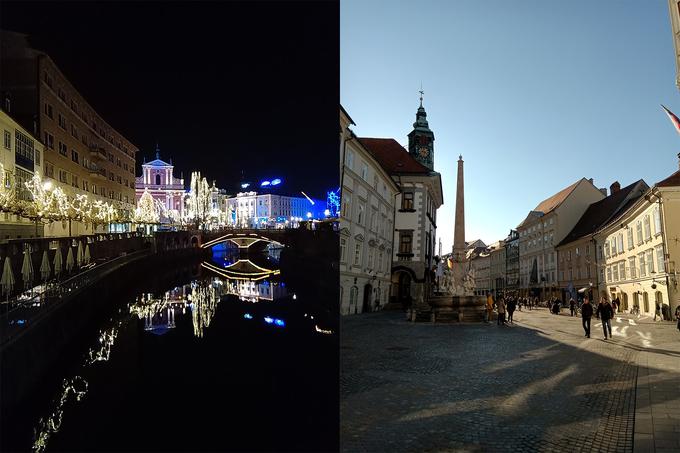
{"x": 456, "y": 300}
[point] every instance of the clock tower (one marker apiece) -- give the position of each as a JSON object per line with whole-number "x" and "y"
{"x": 421, "y": 138}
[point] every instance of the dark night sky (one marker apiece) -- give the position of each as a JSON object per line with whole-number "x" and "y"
{"x": 222, "y": 86}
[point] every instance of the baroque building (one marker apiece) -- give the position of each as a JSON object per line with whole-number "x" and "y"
{"x": 366, "y": 225}
{"x": 640, "y": 250}
{"x": 168, "y": 191}
{"x": 512, "y": 261}
{"x": 415, "y": 221}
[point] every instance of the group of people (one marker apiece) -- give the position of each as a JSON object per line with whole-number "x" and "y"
{"x": 504, "y": 306}
{"x": 605, "y": 311}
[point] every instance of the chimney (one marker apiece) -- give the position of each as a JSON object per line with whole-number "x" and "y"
{"x": 615, "y": 187}
{"x": 591, "y": 181}
{"x": 603, "y": 190}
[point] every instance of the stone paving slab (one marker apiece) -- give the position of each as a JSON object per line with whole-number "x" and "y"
{"x": 424, "y": 387}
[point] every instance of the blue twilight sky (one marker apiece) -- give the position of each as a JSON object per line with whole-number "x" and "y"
{"x": 534, "y": 94}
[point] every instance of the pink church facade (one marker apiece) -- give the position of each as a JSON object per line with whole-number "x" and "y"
{"x": 158, "y": 179}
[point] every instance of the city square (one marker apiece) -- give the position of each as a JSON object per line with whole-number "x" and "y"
{"x": 535, "y": 385}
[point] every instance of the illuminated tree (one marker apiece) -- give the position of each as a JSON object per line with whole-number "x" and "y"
{"x": 147, "y": 211}
{"x": 198, "y": 201}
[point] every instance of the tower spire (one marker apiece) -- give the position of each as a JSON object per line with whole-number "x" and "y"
{"x": 421, "y": 94}
{"x": 158, "y": 151}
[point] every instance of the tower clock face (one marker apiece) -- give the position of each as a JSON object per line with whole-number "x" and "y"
{"x": 423, "y": 151}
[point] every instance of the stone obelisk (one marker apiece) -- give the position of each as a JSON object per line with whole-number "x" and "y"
{"x": 459, "y": 226}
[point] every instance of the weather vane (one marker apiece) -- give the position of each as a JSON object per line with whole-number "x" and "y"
{"x": 421, "y": 93}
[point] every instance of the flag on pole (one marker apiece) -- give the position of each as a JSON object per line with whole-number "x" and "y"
{"x": 674, "y": 119}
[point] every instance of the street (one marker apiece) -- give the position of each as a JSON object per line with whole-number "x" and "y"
{"x": 537, "y": 385}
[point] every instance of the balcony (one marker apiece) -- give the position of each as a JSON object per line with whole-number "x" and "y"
{"x": 98, "y": 152}
{"x": 97, "y": 172}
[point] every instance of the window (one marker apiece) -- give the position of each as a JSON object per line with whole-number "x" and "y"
{"x": 587, "y": 250}
{"x": 23, "y": 149}
{"x": 74, "y": 106}
{"x": 609, "y": 273}
{"x": 631, "y": 267}
{"x": 407, "y": 200}
{"x": 74, "y": 131}
{"x": 63, "y": 176}
{"x": 643, "y": 267}
{"x": 48, "y": 110}
{"x": 49, "y": 170}
{"x": 360, "y": 214}
{"x": 638, "y": 229}
{"x": 62, "y": 122}
{"x": 349, "y": 159}
{"x": 8, "y": 140}
{"x": 371, "y": 254}
{"x": 622, "y": 270}
{"x": 86, "y": 186}
{"x": 74, "y": 181}
{"x": 343, "y": 249}
{"x": 405, "y": 242}
{"x": 657, "y": 221}
{"x": 629, "y": 234}
{"x": 613, "y": 246}
{"x": 660, "y": 265}
{"x": 620, "y": 242}
{"x": 649, "y": 256}
{"x": 648, "y": 228}
{"x": 374, "y": 220}
{"x": 49, "y": 140}
{"x": 606, "y": 250}
{"x": 615, "y": 273}
{"x": 577, "y": 252}
{"x": 357, "y": 253}
{"x": 74, "y": 156}
{"x": 364, "y": 171}
{"x": 63, "y": 149}
{"x": 118, "y": 161}
{"x": 37, "y": 157}
{"x": 48, "y": 79}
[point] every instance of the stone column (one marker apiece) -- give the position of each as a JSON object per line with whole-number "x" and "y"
{"x": 459, "y": 228}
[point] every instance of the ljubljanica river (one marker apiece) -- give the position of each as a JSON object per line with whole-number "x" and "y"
{"x": 218, "y": 355}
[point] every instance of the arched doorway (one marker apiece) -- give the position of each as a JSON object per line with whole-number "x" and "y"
{"x": 366, "y": 305}
{"x": 401, "y": 288}
{"x": 645, "y": 301}
{"x": 624, "y": 301}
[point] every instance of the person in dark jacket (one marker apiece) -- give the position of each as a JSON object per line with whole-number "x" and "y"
{"x": 606, "y": 313}
{"x": 572, "y": 306}
{"x": 511, "y": 308}
{"x": 586, "y": 314}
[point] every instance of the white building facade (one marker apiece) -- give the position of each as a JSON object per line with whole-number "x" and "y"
{"x": 366, "y": 225}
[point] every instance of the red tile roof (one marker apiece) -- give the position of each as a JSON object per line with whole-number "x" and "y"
{"x": 553, "y": 202}
{"x": 672, "y": 180}
{"x": 392, "y": 156}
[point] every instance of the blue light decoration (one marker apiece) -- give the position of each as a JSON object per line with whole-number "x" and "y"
{"x": 245, "y": 185}
{"x": 248, "y": 316}
{"x": 279, "y": 322}
{"x": 333, "y": 202}
{"x": 265, "y": 183}
{"x": 276, "y": 321}
{"x": 276, "y": 182}
{"x": 268, "y": 319}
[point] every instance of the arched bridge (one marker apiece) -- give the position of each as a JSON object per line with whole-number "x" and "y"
{"x": 243, "y": 238}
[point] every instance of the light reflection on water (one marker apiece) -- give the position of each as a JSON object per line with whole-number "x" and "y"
{"x": 249, "y": 281}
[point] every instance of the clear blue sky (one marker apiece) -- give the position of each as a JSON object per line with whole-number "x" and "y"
{"x": 534, "y": 94}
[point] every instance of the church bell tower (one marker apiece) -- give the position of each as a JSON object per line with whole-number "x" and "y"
{"x": 421, "y": 138}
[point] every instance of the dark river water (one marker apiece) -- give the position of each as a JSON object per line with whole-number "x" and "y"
{"x": 225, "y": 354}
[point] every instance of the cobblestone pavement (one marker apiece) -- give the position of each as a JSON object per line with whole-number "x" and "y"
{"x": 538, "y": 385}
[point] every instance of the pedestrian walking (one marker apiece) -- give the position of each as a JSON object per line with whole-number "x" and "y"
{"x": 489, "y": 307}
{"x": 657, "y": 312}
{"x": 511, "y": 309}
{"x": 572, "y": 306}
{"x": 501, "y": 311}
{"x": 586, "y": 314}
{"x": 606, "y": 313}
{"x": 677, "y": 315}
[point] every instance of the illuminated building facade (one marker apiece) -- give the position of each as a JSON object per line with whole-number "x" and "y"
{"x": 159, "y": 180}
{"x": 20, "y": 155}
{"x": 253, "y": 210}
{"x": 83, "y": 154}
